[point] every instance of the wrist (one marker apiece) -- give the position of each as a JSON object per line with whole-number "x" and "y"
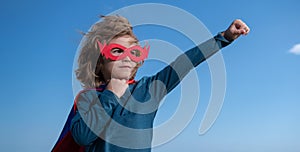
{"x": 227, "y": 36}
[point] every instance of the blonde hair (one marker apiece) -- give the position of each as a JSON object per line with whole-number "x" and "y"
{"x": 90, "y": 60}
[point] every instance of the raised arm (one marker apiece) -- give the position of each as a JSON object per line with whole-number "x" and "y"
{"x": 171, "y": 75}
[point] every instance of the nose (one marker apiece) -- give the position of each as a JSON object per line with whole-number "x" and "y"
{"x": 126, "y": 59}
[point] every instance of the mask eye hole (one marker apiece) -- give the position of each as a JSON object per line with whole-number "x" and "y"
{"x": 117, "y": 51}
{"x": 136, "y": 52}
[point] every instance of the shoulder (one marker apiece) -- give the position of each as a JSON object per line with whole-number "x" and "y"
{"x": 143, "y": 82}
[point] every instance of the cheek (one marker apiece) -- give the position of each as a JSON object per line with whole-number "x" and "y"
{"x": 110, "y": 69}
{"x": 107, "y": 69}
{"x": 134, "y": 64}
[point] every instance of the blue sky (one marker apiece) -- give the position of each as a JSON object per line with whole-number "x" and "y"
{"x": 261, "y": 107}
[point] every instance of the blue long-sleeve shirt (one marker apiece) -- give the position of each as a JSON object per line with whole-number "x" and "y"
{"x": 106, "y": 123}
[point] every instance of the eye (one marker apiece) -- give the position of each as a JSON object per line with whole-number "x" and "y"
{"x": 136, "y": 53}
{"x": 117, "y": 51}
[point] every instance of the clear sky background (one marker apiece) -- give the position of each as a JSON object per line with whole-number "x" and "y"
{"x": 261, "y": 112}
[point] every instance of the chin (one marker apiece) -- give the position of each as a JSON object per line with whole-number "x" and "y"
{"x": 123, "y": 76}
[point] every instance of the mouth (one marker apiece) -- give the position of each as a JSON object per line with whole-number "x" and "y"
{"x": 125, "y": 67}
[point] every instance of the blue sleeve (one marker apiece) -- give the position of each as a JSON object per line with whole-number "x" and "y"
{"x": 169, "y": 77}
{"x": 94, "y": 111}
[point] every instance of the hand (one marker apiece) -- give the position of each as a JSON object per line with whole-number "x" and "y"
{"x": 117, "y": 86}
{"x": 237, "y": 28}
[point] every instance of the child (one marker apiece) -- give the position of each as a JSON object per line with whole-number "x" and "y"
{"x": 115, "y": 113}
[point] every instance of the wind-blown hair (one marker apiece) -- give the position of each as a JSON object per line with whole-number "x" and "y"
{"x": 90, "y": 61}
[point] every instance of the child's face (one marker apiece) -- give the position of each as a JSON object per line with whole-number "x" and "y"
{"x": 120, "y": 69}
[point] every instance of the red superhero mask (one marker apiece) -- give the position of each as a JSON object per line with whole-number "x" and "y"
{"x": 115, "y": 52}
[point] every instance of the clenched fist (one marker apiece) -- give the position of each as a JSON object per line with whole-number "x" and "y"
{"x": 117, "y": 86}
{"x": 237, "y": 28}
